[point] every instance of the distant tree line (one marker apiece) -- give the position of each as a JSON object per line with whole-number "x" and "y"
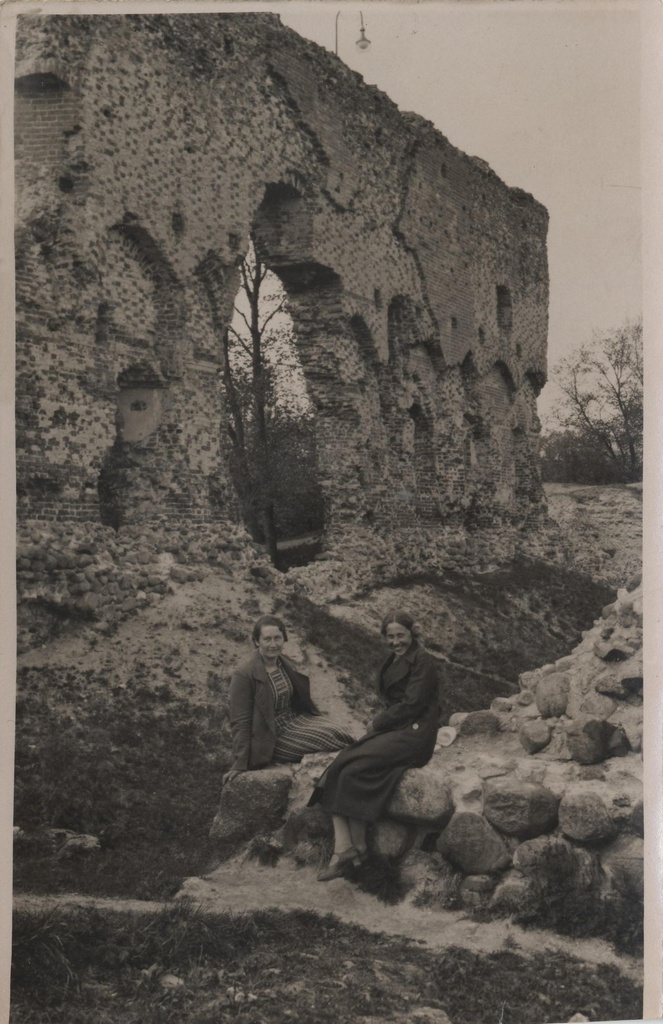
{"x": 597, "y": 431}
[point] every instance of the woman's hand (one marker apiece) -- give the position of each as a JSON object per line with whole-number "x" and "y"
{"x": 229, "y": 776}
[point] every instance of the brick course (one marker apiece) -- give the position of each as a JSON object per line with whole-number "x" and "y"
{"x": 148, "y": 147}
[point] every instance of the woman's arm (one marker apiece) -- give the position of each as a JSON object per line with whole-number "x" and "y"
{"x": 241, "y": 720}
{"x": 421, "y": 692}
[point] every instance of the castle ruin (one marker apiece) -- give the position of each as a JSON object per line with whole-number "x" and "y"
{"x": 148, "y": 149}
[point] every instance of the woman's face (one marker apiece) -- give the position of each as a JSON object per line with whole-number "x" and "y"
{"x": 398, "y": 638}
{"x": 270, "y": 642}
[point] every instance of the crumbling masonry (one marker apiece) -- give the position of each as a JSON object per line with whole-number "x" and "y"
{"x": 147, "y": 150}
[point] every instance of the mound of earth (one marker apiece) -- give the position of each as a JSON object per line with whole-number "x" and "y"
{"x": 601, "y": 527}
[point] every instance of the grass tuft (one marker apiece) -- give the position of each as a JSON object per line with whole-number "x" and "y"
{"x": 83, "y": 967}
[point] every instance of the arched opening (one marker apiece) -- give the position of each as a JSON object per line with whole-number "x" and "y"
{"x": 168, "y": 297}
{"x": 122, "y": 480}
{"x": 504, "y": 308}
{"x": 425, "y": 466}
{"x": 270, "y": 420}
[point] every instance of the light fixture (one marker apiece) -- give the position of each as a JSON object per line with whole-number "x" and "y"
{"x": 362, "y": 43}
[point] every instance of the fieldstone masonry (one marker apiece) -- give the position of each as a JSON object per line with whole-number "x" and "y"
{"x": 148, "y": 148}
{"x": 493, "y": 820}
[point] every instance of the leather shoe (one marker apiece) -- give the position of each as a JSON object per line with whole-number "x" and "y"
{"x": 338, "y": 864}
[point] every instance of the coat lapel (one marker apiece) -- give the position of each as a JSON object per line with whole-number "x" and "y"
{"x": 393, "y": 671}
{"x": 263, "y": 697}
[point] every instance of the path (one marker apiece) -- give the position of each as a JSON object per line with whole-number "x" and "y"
{"x": 242, "y": 885}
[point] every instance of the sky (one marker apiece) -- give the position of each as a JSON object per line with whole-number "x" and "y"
{"x": 549, "y": 96}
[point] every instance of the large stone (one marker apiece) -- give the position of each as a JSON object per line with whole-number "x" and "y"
{"x": 598, "y": 705}
{"x": 392, "y": 838}
{"x": 534, "y": 735}
{"x": 478, "y": 722}
{"x": 431, "y": 881}
{"x": 618, "y": 744}
{"x": 470, "y": 843}
{"x": 585, "y": 818}
{"x": 588, "y": 740}
{"x": 254, "y": 803}
{"x": 623, "y": 863}
{"x": 307, "y": 836}
{"x": 638, "y": 819}
{"x": 552, "y": 695}
{"x": 518, "y": 808}
{"x": 428, "y": 1015}
{"x": 553, "y": 862}
{"x": 511, "y": 894}
{"x": 630, "y": 719}
{"x": 422, "y": 797}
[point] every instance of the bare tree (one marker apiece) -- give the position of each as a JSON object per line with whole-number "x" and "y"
{"x": 602, "y": 385}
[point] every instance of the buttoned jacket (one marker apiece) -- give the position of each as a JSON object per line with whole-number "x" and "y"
{"x": 410, "y": 686}
{"x": 252, "y": 712}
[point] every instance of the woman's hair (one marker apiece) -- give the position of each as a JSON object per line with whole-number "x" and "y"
{"x": 267, "y": 620}
{"x": 403, "y": 619}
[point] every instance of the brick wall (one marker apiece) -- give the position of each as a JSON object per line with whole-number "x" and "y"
{"x": 147, "y": 149}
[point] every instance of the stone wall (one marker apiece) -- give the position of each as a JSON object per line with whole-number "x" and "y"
{"x": 147, "y": 150}
{"x": 537, "y": 799}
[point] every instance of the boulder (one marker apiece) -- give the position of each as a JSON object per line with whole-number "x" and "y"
{"x": 478, "y": 722}
{"x": 584, "y": 818}
{"x": 422, "y": 797}
{"x": 392, "y": 838}
{"x": 553, "y": 862}
{"x": 598, "y": 705}
{"x": 518, "y": 808}
{"x": 634, "y": 582}
{"x": 552, "y": 695}
{"x": 630, "y": 719}
{"x": 78, "y": 846}
{"x": 502, "y": 705}
{"x": 637, "y": 819}
{"x": 253, "y": 803}
{"x": 511, "y": 893}
{"x": 588, "y": 740}
{"x": 470, "y": 843}
{"x": 618, "y": 744}
{"x": 311, "y": 825}
{"x": 534, "y": 735}
{"x": 623, "y": 863}
{"x": 428, "y": 1015}
{"x": 479, "y": 883}
{"x": 430, "y": 880}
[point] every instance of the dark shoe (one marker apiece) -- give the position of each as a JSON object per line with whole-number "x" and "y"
{"x": 338, "y": 864}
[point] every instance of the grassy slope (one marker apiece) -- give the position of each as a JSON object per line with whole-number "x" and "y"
{"x": 89, "y": 968}
{"x": 126, "y": 736}
{"x": 486, "y": 628}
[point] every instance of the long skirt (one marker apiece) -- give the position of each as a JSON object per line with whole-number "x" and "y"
{"x": 361, "y": 780}
{"x": 297, "y": 735}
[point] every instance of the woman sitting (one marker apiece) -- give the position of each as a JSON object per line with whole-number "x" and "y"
{"x": 360, "y": 781}
{"x": 272, "y": 717}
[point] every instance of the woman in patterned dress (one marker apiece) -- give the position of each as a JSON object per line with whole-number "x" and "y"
{"x": 272, "y": 717}
{"x": 360, "y": 781}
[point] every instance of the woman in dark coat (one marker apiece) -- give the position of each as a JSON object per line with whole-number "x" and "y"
{"x": 272, "y": 717}
{"x": 361, "y": 780}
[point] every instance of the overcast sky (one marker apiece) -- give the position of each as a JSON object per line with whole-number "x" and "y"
{"x": 549, "y": 96}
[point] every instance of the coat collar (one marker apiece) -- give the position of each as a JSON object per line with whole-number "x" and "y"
{"x": 400, "y": 668}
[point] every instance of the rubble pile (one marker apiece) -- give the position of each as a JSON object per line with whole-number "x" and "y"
{"x": 542, "y": 786}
